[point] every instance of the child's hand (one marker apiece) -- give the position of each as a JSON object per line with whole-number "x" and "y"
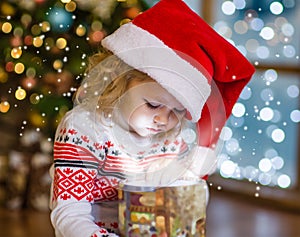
{"x": 158, "y": 173}
{"x": 202, "y": 160}
{"x": 166, "y": 172}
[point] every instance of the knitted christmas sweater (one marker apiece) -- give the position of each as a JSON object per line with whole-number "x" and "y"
{"x": 90, "y": 159}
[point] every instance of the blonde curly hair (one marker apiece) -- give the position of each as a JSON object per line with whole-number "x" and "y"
{"x": 107, "y": 79}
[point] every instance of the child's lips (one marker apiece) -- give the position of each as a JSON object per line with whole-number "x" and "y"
{"x": 155, "y": 130}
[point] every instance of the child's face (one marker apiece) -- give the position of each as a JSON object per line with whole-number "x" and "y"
{"x": 147, "y": 109}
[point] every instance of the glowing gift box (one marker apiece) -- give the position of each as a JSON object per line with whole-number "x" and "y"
{"x": 177, "y": 210}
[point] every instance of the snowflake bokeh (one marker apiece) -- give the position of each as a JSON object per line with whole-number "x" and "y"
{"x": 260, "y": 138}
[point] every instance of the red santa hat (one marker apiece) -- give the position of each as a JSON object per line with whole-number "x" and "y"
{"x": 179, "y": 50}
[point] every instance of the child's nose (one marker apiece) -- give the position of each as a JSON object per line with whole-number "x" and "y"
{"x": 163, "y": 116}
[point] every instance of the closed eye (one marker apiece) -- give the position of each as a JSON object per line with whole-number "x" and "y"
{"x": 180, "y": 111}
{"x": 152, "y": 105}
{"x": 156, "y": 105}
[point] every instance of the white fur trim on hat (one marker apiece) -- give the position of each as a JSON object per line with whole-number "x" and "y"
{"x": 147, "y": 53}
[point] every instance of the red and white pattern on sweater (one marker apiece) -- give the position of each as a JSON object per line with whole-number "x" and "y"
{"x": 76, "y": 175}
{"x": 89, "y": 170}
{"x": 73, "y": 183}
{"x": 102, "y": 233}
{"x": 106, "y": 230}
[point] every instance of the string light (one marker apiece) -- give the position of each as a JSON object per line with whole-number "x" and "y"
{"x": 20, "y": 94}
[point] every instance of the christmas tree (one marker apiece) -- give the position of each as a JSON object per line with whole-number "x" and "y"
{"x": 45, "y": 46}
